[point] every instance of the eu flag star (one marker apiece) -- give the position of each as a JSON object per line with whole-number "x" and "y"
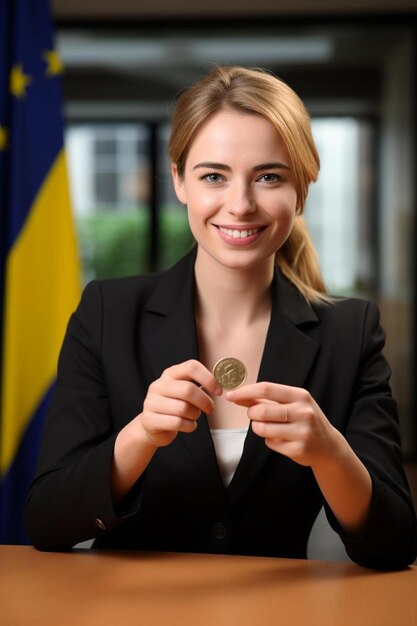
{"x": 4, "y": 136}
{"x": 54, "y": 63}
{"x": 19, "y": 81}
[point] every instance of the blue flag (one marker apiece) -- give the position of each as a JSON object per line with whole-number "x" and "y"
{"x": 39, "y": 268}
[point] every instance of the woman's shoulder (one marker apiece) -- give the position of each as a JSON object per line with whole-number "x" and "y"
{"x": 350, "y": 316}
{"x": 329, "y": 308}
{"x": 124, "y": 284}
{"x": 344, "y": 305}
{"x": 120, "y": 292}
{"x": 131, "y": 290}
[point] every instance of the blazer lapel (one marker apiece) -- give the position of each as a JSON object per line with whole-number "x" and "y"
{"x": 287, "y": 359}
{"x": 168, "y": 333}
{"x": 169, "y": 337}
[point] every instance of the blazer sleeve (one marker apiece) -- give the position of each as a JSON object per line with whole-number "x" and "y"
{"x": 70, "y": 498}
{"x": 389, "y": 538}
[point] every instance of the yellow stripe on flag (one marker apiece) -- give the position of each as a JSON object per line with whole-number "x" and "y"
{"x": 42, "y": 290}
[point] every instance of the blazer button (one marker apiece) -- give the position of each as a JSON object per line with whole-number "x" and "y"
{"x": 100, "y": 523}
{"x": 219, "y": 530}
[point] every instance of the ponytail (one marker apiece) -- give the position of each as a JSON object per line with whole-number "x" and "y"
{"x": 298, "y": 261}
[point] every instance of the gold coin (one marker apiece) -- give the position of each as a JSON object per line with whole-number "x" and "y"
{"x": 230, "y": 373}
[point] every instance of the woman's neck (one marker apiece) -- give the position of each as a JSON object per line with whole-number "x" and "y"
{"x": 230, "y": 297}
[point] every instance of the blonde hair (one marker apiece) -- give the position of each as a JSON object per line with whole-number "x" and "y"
{"x": 256, "y": 92}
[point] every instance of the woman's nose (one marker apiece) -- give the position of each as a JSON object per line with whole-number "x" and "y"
{"x": 241, "y": 200}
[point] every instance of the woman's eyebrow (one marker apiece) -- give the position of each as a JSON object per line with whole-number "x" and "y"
{"x": 276, "y": 165}
{"x": 212, "y": 165}
{"x": 258, "y": 168}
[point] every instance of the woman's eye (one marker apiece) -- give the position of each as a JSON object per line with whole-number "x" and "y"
{"x": 212, "y": 177}
{"x": 270, "y": 178}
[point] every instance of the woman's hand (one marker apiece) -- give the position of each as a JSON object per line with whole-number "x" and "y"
{"x": 173, "y": 404}
{"x": 289, "y": 420}
{"x": 292, "y": 423}
{"x": 175, "y": 401}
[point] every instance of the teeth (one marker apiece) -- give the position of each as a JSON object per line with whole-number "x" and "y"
{"x": 239, "y": 234}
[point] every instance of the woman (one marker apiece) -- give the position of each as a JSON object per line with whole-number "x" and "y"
{"x": 143, "y": 449}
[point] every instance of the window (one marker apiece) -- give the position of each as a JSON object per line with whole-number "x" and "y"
{"x": 109, "y": 172}
{"x": 339, "y": 209}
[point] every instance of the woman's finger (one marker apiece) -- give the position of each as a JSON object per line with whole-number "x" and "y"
{"x": 196, "y": 372}
{"x": 249, "y": 395}
{"x": 279, "y": 431}
{"x": 160, "y": 423}
{"x": 172, "y": 406}
{"x": 180, "y": 390}
{"x": 269, "y": 412}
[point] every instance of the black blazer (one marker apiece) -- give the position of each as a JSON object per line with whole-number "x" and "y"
{"x": 124, "y": 333}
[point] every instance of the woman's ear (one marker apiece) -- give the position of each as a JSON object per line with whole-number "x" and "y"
{"x": 178, "y": 181}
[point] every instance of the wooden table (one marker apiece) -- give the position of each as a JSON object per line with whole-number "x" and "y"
{"x": 92, "y": 588}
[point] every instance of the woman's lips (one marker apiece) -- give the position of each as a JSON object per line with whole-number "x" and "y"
{"x": 242, "y": 235}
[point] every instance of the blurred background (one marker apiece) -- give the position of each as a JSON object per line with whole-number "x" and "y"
{"x": 353, "y": 62}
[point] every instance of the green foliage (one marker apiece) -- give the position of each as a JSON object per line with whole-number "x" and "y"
{"x": 114, "y": 243}
{"x": 175, "y": 238}
{"x": 117, "y": 242}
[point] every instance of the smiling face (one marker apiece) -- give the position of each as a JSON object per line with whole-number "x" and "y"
{"x": 240, "y": 190}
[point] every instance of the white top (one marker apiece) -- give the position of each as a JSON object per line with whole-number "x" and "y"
{"x": 228, "y": 444}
